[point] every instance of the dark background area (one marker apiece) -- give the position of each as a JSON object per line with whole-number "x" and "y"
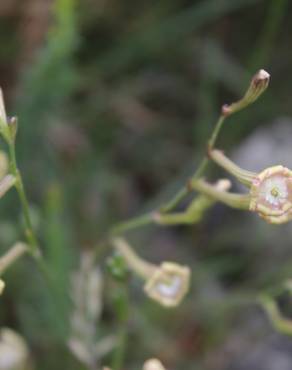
{"x": 116, "y": 100}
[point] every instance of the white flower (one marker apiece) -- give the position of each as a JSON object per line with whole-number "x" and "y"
{"x": 271, "y": 194}
{"x": 169, "y": 284}
{"x": 275, "y": 191}
{"x": 166, "y": 283}
{"x": 153, "y": 364}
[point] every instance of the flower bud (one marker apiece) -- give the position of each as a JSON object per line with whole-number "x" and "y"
{"x": 6, "y": 183}
{"x": 14, "y": 353}
{"x": 2, "y": 286}
{"x": 4, "y": 164}
{"x": 12, "y": 126}
{"x": 153, "y": 364}
{"x": 169, "y": 284}
{"x": 258, "y": 85}
{"x": 4, "y": 130}
{"x": 3, "y": 116}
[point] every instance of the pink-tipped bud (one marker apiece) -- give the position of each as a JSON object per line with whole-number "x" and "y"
{"x": 257, "y": 86}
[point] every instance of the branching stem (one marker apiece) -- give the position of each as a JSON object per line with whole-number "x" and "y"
{"x": 146, "y": 219}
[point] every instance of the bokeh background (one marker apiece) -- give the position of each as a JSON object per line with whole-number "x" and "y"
{"x": 115, "y": 101}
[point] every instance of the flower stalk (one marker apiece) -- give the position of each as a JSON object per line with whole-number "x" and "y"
{"x": 8, "y": 130}
{"x": 195, "y": 211}
{"x": 243, "y": 176}
{"x": 141, "y": 267}
{"x": 29, "y": 233}
{"x": 182, "y": 193}
{"x": 280, "y": 323}
{"x": 256, "y": 88}
{"x": 258, "y": 85}
{"x": 233, "y": 200}
{"x": 12, "y": 255}
{"x": 167, "y": 283}
{"x": 270, "y": 191}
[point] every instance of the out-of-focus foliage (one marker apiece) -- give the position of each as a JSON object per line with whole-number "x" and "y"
{"x": 116, "y": 100}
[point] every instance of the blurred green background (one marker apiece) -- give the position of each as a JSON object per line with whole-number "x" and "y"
{"x": 116, "y": 99}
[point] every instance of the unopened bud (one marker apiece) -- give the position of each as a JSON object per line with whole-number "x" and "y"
{"x": 258, "y": 85}
{"x": 6, "y": 183}
{"x": 2, "y": 286}
{"x": 13, "y": 126}
{"x": 3, "y": 116}
{"x": 153, "y": 364}
{"x": 4, "y": 164}
{"x": 4, "y": 130}
{"x": 14, "y": 353}
{"x": 223, "y": 184}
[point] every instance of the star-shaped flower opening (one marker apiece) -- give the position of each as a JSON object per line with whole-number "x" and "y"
{"x": 169, "y": 284}
{"x": 271, "y": 194}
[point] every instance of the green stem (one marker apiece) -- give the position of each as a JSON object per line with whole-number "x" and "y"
{"x": 280, "y": 323}
{"x": 132, "y": 224}
{"x": 119, "y": 353}
{"x": 233, "y": 200}
{"x": 181, "y": 194}
{"x": 243, "y": 176}
{"x": 33, "y": 246}
{"x": 192, "y": 215}
{"x": 144, "y": 269}
{"x": 121, "y": 306}
{"x": 30, "y": 236}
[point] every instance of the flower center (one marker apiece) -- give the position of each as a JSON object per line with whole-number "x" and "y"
{"x": 275, "y": 192}
{"x": 171, "y": 287}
